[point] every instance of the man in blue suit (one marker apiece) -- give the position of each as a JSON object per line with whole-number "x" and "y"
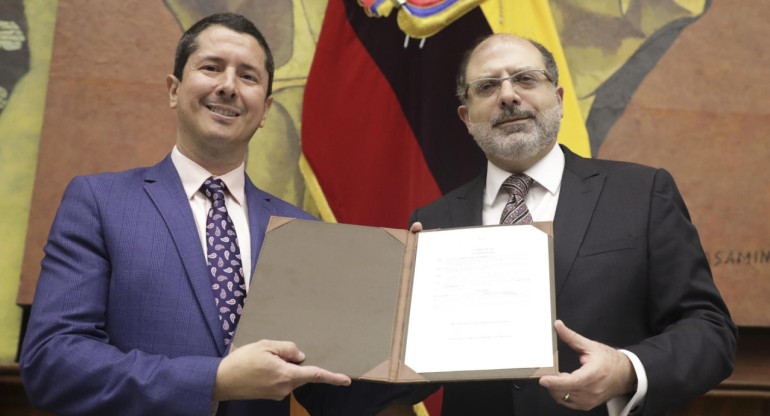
{"x": 124, "y": 319}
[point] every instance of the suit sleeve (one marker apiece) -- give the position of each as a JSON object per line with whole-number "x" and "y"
{"x": 67, "y": 363}
{"x": 694, "y": 348}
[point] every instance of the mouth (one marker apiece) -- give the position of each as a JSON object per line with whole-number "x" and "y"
{"x": 223, "y": 111}
{"x": 510, "y": 121}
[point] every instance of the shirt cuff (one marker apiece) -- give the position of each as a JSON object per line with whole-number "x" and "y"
{"x": 622, "y": 405}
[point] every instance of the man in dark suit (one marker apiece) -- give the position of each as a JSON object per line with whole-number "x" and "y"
{"x": 143, "y": 279}
{"x": 642, "y": 327}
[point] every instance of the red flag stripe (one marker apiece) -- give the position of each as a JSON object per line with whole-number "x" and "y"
{"x": 355, "y": 136}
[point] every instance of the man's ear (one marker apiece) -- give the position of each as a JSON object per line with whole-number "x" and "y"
{"x": 560, "y": 98}
{"x": 462, "y": 111}
{"x": 268, "y": 104}
{"x": 172, "y": 84}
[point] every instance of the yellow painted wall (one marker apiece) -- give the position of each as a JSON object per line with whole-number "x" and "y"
{"x": 20, "y": 125}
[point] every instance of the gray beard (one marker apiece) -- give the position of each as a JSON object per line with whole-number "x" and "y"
{"x": 518, "y": 141}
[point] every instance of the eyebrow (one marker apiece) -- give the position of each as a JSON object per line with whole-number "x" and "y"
{"x": 515, "y": 71}
{"x": 219, "y": 59}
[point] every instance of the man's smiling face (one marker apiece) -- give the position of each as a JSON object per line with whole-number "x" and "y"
{"x": 221, "y": 99}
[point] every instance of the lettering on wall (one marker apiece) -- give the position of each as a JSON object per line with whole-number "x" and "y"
{"x": 738, "y": 257}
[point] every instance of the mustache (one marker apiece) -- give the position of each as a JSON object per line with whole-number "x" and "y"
{"x": 511, "y": 112}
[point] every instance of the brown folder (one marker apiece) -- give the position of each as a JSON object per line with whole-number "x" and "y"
{"x": 341, "y": 293}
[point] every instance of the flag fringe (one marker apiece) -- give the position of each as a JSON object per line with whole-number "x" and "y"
{"x": 420, "y": 409}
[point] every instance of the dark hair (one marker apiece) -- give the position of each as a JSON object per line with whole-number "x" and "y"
{"x": 550, "y": 66}
{"x": 235, "y": 22}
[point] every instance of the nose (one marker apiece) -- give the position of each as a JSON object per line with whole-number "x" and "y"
{"x": 227, "y": 87}
{"x": 509, "y": 95}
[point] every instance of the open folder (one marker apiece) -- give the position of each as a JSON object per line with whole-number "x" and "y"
{"x": 394, "y": 306}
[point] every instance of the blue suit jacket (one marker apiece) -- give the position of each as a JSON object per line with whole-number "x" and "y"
{"x": 123, "y": 320}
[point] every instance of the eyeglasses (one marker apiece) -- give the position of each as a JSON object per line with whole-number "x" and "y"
{"x": 524, "y": 80}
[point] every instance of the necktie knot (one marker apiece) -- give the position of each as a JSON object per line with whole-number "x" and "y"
{"x": 516, "y": 211}
{"x": 213, "y": 189}
{"x": 517, "y": 184}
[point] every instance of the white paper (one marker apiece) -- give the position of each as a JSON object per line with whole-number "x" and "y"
{"x": 481, "y": 300}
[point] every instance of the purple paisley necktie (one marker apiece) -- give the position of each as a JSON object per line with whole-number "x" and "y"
{"x": 516, "y": 211}
{"x": 224, "y": 259}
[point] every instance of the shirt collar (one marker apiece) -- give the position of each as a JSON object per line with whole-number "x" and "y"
{"x": 547, "y": 172}
{"x": 193, "y": 175}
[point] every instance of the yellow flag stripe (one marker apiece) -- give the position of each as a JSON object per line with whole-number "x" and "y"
{"x": 315, "y": 190}
{"x": 420, "y": 409}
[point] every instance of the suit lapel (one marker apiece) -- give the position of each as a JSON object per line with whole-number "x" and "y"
{"x": 259, "y": 216}
{"x": 465, "y": 208}
{"x": 164, "y": 187}
{"x": 581, "y": 186}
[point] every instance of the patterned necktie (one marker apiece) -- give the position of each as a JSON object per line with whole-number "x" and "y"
{"x": 516, "y": 211}
{"x": 224, "y": 259}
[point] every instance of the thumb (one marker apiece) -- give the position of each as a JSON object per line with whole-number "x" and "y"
{"x": 286, "y": 350}
{"x": 574, "y": 340}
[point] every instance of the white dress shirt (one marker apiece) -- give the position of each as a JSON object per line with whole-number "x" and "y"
{"x": 193, "y": 175}
{"x": 541, "y": 200}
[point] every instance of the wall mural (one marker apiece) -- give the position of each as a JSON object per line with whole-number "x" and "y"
{"x": 26, "y": 33}
{"x": 14, "y": 48}
{"x": 674, "y": 84}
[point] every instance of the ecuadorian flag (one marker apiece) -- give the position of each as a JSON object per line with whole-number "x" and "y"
{"x": 380, "y": 131}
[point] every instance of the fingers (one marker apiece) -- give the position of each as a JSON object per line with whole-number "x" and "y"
{"x": 562, "y": 389}
{"x": 574, "y": 340}
{"x": 561, "y": 383}
{"x": 603, "y": 373}
{"x": 570, "y": 382}
{"x": 572, "y": 397}
{"x": 265, "y": 370}
{"x": 291, "y": 376}
{"x": 312, "y": 374}
{"x": 566, "y": 399}
{"x": 288, "y": 351}
{"x": 416, "y": 227}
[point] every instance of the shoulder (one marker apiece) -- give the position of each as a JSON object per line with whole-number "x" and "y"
{"x": 459, "y": 207}
{"x": 466, "y": 191}
{"x": 107, "y": 185}
{"x": 615, "y": 171}
{"x": 275, "y": 205}
{"x": 624, "y": 180}
{"x": 574, "y": 162}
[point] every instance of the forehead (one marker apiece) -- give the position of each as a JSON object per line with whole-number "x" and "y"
{"x": 223, "y": 43}
{"x": 502, "y": 55}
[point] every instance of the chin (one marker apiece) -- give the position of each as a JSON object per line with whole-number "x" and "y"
{"x": 511, "y": 147}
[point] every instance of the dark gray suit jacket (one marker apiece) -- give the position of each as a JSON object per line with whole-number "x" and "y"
{"x": 630, "y": 272}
